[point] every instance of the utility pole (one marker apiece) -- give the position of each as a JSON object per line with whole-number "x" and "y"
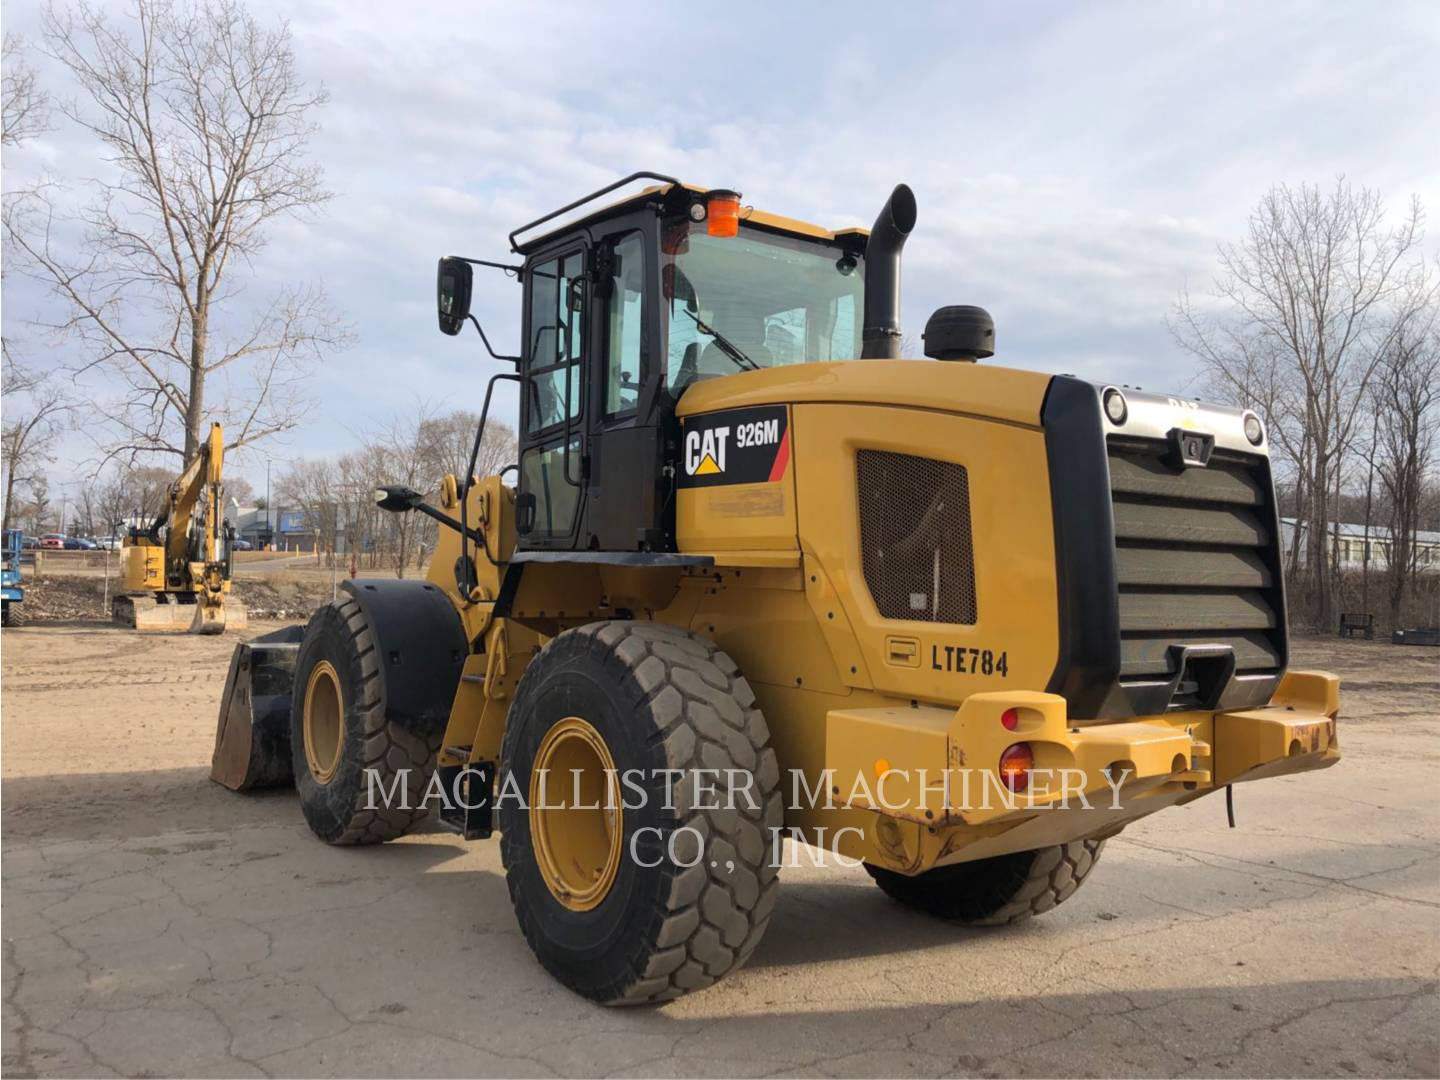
{"x": 1369, "y": 503}
{"x": 269, "y": 536}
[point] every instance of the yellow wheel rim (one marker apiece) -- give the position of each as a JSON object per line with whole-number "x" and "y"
{"x": 576, "y": 822}
{"x": 324, "y": 721}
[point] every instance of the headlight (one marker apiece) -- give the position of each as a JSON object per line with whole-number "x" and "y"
{"x": 1253, "y": 429}
{"x": 1115, "y": 407}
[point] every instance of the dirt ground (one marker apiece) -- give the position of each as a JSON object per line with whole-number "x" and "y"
{"x": 156, "y": 924}
{"x": 75, "y": 597}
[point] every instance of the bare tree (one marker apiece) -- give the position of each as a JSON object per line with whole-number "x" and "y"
{"x": 1298, "y": 315}
{"x": 447, "y": 441}
{"x": 414, "y": 449}
{"x": 310, "y": 486}
{"x": 205, "y": 121}
{"x": 1406, "y": 401}
{"x": 115, "y": 502}
{"x": 239, "y": 489}
{"x": 38, "y": 507}
{"x": 35, "y": 410}
{"x": 25, "y": 111}
{"x": 359, "y": 516}
{"x": 403, "y": 455}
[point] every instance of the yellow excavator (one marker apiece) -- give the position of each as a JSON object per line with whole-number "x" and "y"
{"x": 176, "y": 574}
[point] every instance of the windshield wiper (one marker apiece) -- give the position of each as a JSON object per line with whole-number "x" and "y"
{"x": 728, "y": 347}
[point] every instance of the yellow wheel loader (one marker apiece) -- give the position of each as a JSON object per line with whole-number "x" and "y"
{"x": 175, "y": 575}
{"x": 755, "y": 577}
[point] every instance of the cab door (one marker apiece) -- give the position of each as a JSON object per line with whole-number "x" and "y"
{"x": 552, "y": 407}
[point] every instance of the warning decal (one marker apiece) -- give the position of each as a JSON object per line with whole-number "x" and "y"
{"x": 738, "y": 446}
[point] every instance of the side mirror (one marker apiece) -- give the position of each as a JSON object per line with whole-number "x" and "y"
{"x": 397, "y": 498}
{"x": 452, "y": 294}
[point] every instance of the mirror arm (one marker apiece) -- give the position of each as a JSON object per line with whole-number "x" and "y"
{"x": 448, "y": 521}
{"x": 509, "y": 268}
{"x": 508, "y": 359}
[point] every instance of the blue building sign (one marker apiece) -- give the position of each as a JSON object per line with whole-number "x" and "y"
{"x": 293, "y": 521}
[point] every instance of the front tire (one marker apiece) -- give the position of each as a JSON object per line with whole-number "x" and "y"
{"x": 670, "y": 888}
{"x": 345, "y": 753}
{"x": 997, "y": 891}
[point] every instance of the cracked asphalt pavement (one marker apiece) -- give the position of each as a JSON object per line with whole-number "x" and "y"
{"x": 155, "y": 924}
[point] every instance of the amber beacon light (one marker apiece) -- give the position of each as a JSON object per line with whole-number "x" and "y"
{"x": 722, "y": 212}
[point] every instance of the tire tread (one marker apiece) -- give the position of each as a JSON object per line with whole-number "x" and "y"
{"x": 704, "y": 717}
{"x": 1001, "y": 891}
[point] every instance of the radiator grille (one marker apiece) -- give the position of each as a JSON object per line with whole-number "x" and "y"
{"x": 915, "y": 538}
{"x": 1195, "y": 560}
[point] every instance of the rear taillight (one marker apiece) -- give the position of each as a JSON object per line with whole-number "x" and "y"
{"x": 1015, "y": 765}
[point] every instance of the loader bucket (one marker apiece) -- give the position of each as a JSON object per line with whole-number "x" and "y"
{"x": 229, "y": 614}
{"x": 252, "y": 740}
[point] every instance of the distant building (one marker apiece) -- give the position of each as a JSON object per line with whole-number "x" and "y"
{"x": 291, "y": 528}
{"x": 1354, "y": 539}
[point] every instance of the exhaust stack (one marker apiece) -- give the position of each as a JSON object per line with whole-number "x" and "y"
{"x": 880, "y": 334}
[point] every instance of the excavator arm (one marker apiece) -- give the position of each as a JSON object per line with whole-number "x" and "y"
{"x": 198, "y": 487}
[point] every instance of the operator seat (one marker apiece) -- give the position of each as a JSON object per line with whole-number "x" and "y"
{"x": 747, "y": 335}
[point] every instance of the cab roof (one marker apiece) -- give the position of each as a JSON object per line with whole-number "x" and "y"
{"x": 748, "y": 214}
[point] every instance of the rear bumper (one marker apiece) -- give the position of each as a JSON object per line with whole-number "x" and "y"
{"x": 939, "y": 768}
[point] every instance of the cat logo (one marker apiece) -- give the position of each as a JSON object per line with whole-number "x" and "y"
{"x": 705, "y": 451}
{"x": 738, "y": 446}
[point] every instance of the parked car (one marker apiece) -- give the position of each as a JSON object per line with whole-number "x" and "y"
{"x": 30, "y": 543}
{"x": 80, "y": 543}
{"x": 110, "y": 543}
{"x": 241, "y": 545}
{"x": 52, "y": 543}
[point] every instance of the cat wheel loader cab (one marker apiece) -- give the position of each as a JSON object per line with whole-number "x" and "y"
{"x": 175, "y": 575}
{"x": 758, "y": 576}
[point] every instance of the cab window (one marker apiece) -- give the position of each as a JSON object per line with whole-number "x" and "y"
{"x": 625, "y": 358}
{"x": 555, "y": 341}
{"x": 755, "y": 300}
{"x": 542, "y": 470}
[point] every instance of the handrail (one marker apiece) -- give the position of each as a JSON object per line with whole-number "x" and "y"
{"x": 469, "y": 482}
{"x": 514, "y": 246}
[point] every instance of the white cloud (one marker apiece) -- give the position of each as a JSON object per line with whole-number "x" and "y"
{"x": 1074, "y": 165}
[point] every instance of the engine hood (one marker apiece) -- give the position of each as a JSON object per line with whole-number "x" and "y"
{"x": 980, "y": 390}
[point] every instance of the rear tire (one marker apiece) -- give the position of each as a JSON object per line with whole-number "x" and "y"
{"x": 997, "y": 891}
{"x": 343, "y": 749}
{"x": 646, "y": 697}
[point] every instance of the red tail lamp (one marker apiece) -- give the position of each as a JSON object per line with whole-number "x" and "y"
{"x": 1015, "y": 765}
{"x": 1010, "y": 719}
{"x": 722, "y": 212}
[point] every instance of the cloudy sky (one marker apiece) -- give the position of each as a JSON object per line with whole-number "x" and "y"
{"x": 1075, "y": 165}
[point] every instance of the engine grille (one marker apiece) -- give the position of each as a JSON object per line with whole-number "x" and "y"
{"x": 1196, "y": 560}
{"x": 915, "y": 540}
